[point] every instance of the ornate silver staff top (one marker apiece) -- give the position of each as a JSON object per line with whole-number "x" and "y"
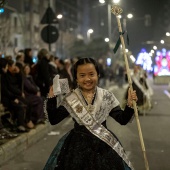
{"x": 116, "y": 10}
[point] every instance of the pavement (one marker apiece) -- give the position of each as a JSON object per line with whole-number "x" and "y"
{"x": 13, "y": 147}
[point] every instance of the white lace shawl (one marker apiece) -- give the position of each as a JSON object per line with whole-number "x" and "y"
{"x": 104, "y": 102}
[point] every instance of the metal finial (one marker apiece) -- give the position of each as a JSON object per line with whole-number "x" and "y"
{"x": 116, "y": 10}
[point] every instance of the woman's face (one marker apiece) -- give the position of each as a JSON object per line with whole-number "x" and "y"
{"x": 27, "y": 70}
{"x": 87, "y": 77}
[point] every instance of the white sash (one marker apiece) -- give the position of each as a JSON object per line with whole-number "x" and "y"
{"x": 94, "y": 127}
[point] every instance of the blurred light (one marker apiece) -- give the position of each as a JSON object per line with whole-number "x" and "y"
{"x": 102, "y": 1}
{"x": 167, "y": 34}
{"x": 150, "y": 54}
{"x": 144, "y": 59}
{"x": 162, "y": 41}
{"x": 158, "y": 53}
{"x": 116, "y": 1}
{"x": 130, "y": 16}
{"x": 90, "y": 31}
{"x": 79, "y": 36}
{"x": 132, "y": 58}
{"x": 59, "y": 16}
{"x": 126, "y": 50}
{"x": 35, "y": 59}
{"x": 106, "y": 39}
{"x": 1, "y": 10}
{"x": 155, "y": 47}
{"x": 163, "y": 51}
{"x": 120, "y": 16}
{"x": 152, "y": 51}
{"x": 109, "y": 61}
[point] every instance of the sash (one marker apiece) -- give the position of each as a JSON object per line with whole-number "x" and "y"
{"x": 94, "y": 127}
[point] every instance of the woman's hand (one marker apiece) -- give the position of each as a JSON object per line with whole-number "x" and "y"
{"x": 131, "y": 96}
{"x": 16, "y": 101}
{"x": 51, "y": 93}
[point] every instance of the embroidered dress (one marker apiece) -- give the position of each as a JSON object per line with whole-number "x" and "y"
{"x": 83, "y": 147}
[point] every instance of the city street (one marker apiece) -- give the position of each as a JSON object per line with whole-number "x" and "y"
{"x": 155, "y": 129}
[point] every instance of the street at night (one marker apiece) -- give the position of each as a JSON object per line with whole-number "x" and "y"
{"x": 63, "y": 62}
{"x": 155, "y": 128}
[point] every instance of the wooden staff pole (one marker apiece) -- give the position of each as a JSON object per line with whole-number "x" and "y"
{"x": 116, "y": 10}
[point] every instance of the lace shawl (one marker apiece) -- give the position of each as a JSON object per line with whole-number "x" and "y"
{"x": 104, "y": 102}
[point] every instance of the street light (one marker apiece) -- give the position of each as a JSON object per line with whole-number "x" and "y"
{"x": 162, "y": 41}
{"x": 59, "y": 16}
{"x": 167, "y": 34}
{"x": 106, "y": 39}
{"x": 129, "y": 16}
{"x": 90, "y": 31}
{"x": 116, "y": 1}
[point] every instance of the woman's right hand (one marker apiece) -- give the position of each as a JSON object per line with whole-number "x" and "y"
{"x": 51, "y": 93}
{"x": 16, "y": 101}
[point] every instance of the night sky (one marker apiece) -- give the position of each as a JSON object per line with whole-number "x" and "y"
{"x": 137, "y": 31}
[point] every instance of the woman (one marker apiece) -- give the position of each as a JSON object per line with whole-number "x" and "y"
{"x": 14, "y": 85}
{"x": 90, "y": 145}
{"x": 9, "y": 99}
{"x": 33, "y": 95}
{"x": 143, "y": 89}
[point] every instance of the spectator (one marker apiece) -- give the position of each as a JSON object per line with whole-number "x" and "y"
{"x": 22, "y": 107}
{"x": 32, "y": 93}
{"x": 52, "y": 68}
{"x": 102, "y": 73}
{"x": 121, "y": 75}
{"x": 4, "y": 133}
{"x": 63, "y": 72}
{"x": 28, "y": 57}
{"x": 43, "y": 73}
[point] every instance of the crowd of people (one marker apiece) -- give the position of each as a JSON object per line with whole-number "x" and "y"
{"x": 25, "y": 85}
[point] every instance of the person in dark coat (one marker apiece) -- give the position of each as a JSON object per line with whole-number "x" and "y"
{"x": 14, "y": 85}
{"x": 28, "y": 57}
{"x": 33, "y": 94}
{"x": 4, "y": 132}
{"x": 43, "y": 73}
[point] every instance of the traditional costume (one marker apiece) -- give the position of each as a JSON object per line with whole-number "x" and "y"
{"x": 143, "y": 91}
{"x": 89, "y": 145}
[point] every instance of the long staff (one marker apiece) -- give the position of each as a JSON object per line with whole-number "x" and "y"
{"x": 116, "y": 10}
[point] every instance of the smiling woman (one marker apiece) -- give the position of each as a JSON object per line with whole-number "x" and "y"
{"x": 90, "y": 145}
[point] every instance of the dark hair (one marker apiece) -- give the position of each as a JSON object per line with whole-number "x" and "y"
{"x": 42, "y": 53}
{"x": 26, "y": 51}
{"x": 61, "y": 62}
{"x": 10, "y": 62}
{"x": 84, "y": 61}
{"x": 3, "y": 63}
